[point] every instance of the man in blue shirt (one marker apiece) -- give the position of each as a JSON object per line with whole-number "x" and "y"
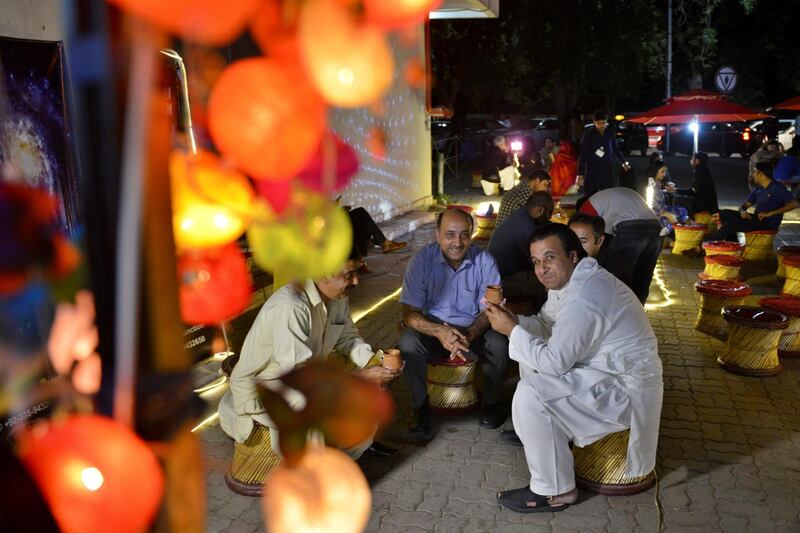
{"x": 771, "y": 200}
{"x": 599, "y": 150}
{"x": 442, "y": 291}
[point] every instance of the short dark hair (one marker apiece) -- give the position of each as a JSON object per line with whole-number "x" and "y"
{"x": 765, "y": 167}
{"x": 597, "y": 224}
{"x": 569, "y": 241}
{"x": 600, "y": 114}
{"x": 702, "y": 156}
{"x": 540, "y": 199}
{"x": 461, "y": 212}
{"x": 539, "y": 174}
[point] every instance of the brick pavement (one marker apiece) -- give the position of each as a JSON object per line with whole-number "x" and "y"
{"x": 728, "y": 454}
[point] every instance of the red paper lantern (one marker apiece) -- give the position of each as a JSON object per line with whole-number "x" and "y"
{"x": 266, "y": 118}
{"x": 350, "y": 64}
{"x": 96, "y": 474}
{"x": 207, "y": 21}
{"x": 398, "y": 13}
{"x": 277, "y": 193}
{"x": 274, "y": 28}
{"x": 214, "y": 285}
{"x": 332, "y": 150}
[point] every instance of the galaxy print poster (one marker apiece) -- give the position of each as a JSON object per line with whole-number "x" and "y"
{"x": 34, "y": 147}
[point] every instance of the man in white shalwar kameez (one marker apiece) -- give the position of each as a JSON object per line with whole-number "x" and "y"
{"x": 588, "y": 365}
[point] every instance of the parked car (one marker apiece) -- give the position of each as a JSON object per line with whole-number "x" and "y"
{"x": 723, "y": 138}
{"x": 785, "y": 130}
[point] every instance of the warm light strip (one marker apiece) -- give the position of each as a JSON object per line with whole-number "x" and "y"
{"x": 664, "y": 290}
{"x": 377, "y": 305}
{"x": 207, "y": 422}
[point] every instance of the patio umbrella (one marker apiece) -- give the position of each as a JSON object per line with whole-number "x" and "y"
{"x": 699, "y": 105}
{"x": 791, "y": 103}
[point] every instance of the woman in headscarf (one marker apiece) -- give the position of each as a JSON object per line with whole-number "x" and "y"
{"x": 564, "y": 170}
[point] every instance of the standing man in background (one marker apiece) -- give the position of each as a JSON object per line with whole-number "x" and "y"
{"x": 599, "y": 151}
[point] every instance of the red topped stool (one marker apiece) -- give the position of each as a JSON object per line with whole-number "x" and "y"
{"x": 687, "y": 237}
{"x": 485, "y": 224}
{"x": 714, "y": 295}
{"x": 721, "y": 267}
{"x": 791, "y": 287}
{"x": 704, "y": 218}
{"x": 758, "y": 244}
{"x": 451, "y": 386}
{"x": 784, "y": 252}
{"x": 722, "y": 248}
{"x": 753, "y": 340}
{"x": 789, "y": 344}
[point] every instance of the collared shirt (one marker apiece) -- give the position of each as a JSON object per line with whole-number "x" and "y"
{"x": 512, "y": 200}
{"x": 774, "y": 196}
{"x": 452, "y": 296}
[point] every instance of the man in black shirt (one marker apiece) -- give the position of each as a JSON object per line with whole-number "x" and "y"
{"x": 591, "y": 232}
{"x": 599, "y": 150}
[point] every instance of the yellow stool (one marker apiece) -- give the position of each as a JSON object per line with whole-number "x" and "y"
{"x": 789, "y": 345}
{"x": 687, "y": 237}
{"x": 253, "y": 463}
{"x": 722, "y": 248}
{"x": 451, "y": 386}
{"x": 722, "y": 267}
{"x": 485, "y": 226}
{"x": 600, "y": 467}
{"x": 753, "y": 340}
{"x": 783, "y": 252}
{"x": 714, "y": 295}
{"x": 704, "y": 218}
{"x": 758, "y": 244}
{"x": 791, "y": 287}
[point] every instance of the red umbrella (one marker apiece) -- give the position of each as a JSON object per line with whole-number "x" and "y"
{"x": 791, "y": 103}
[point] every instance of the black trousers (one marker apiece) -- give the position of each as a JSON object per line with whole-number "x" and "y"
{"x": 733, "y": 223}
{"x": 364, "y": 229}
{"x": 639, "y": 242}
{"x": 417, "y": 349}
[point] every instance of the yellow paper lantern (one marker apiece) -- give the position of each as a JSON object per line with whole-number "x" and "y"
{"x": 350, "y": 64}
{"x": 398, "y": 13}
{"x": 209, "y": 201}
{"x": 325, "y": 491}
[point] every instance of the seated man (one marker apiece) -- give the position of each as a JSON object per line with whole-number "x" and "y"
{"x": 591, "y": 232}
{"x": 365, "y": 230}
{"x": 535, "y": 181}
{"x": 771, "y": 199}
{"x": 442, "y": 291}
{"x": 299, "y": 322}
{"x": 510, "y": 247}
{"x": 588, "y": 366}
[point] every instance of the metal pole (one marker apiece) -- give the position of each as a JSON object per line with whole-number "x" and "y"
{"x": 440, "y": 173}
{"x": 669, "y": 66}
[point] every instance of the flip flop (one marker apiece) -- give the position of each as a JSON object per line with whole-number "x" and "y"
{"x": 524, "y": 500}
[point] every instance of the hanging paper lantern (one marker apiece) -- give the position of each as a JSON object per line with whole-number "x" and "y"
{"x": 350, "y": 64}
{"x": 376, "y": 143}
{"x": 336, "y": 152}
{"x": 266, "y": 118}
{"x": 207, "y": 21}
{"x": 277, "y": 193}
{"x": 325, "y": 491}
{"x": 313, "y": 240}
{"x": 398, "y": 13}
{"x": 96, "y": 474}
{"x": 209, "y": 201}
{"x": 215, "y": 285}
{"x": 274, "y": 28}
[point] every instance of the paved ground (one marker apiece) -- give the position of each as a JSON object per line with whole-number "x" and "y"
{"x": 729, "y": 452}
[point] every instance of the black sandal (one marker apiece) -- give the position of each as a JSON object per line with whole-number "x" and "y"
{"x": 524, "y": 500}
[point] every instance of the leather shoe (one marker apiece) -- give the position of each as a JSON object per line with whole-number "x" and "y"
{"x": 420, "y": 425}
{"x": 380, "y": 450}
{"x": 391, "y": 246}
{"x": 510, "y": 436}
{"x": 492, "y": 416}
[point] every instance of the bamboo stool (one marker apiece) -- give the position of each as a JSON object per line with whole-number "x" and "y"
{"x": 253, "y": 463}
{"x": 600, "y": 467}
{"x": 721, "y": 267}
{"x": 714, "y": 295}
{"x": 789, "y": 345}
{"x": 791, "y": 287}
{"x": 758, "y": 244}
{"x": 687, "y": 237}
{"x": 753, "y": 340}
{"x": 485, "y": 224}
{"x": 722, "y": 248}
{"x": 783, "y": 252}
{"x": 451, "y": 386}
{"x": 704, "y": 218}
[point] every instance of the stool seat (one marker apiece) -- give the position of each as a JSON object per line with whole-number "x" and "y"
{"x": 714, "y": 295}
{"x": 451, "y": 386}
{"x": 752, "y": 348}
{"x": 687, "y": 237}
{"x": 253, "y": 463}
{"x": 791, "y": 287}
{"x": 600, "y": 467}
{"x": 722, "y": 267}
{"x": 758, "y": 244}
{"x": 485, "y": 226}
{"x": 789, "y": 343}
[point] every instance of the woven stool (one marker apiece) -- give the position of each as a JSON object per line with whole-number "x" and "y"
{"x": 722, "y": 248}
{"x": 600, "y": 467}
{"x": 485, "y": 224}
{"x": 753, "y": 340}
{"x": 721, "y": 267}
{"x": 451, "y": 386}
{"x": 782, "y": 253}
{"x": 791, "y": 287}
{"x": 686, "y": 237}
{"x": 789, "y": 344}
{"x": 714, "y": 295}
{"x": 253, "y": 463}
{"x": 758, "y": 244}
{"x": 704, "y": 218}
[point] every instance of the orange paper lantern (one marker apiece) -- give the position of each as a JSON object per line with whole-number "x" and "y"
{"x": 325, "y": 491}
{"x": 266, "y": 118}
{"x": 209, "y": 201}
{"x": 207, "y": 21}
{"x": 398, "y": 13}
{"x": 96, "y": 474}
{"x": 274, "y": 29}
{"x": 350, "y": 64}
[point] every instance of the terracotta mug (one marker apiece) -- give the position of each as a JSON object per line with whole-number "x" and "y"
{"x": 392, "y": 359}
{"x": 494, "y": 294}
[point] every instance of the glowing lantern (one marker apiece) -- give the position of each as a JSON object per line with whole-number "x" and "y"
{"x": 95, "y": 474}
{"x": 376, "y": 143}
{"x": 398, "y": 13}
{"x": 334, "y": 151}
{"x": 214, "y": 285}
{"x": 266, "y": 117}
{"x": 206, "y": 21}
{"x": 351, "y": 65}
{"x": 209, "y": 201}
{"x": 312, "y": 241}
{"x": 277, "y": 193}
{"x": 274, "y": 29}
{"x": 325, "y": 491}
